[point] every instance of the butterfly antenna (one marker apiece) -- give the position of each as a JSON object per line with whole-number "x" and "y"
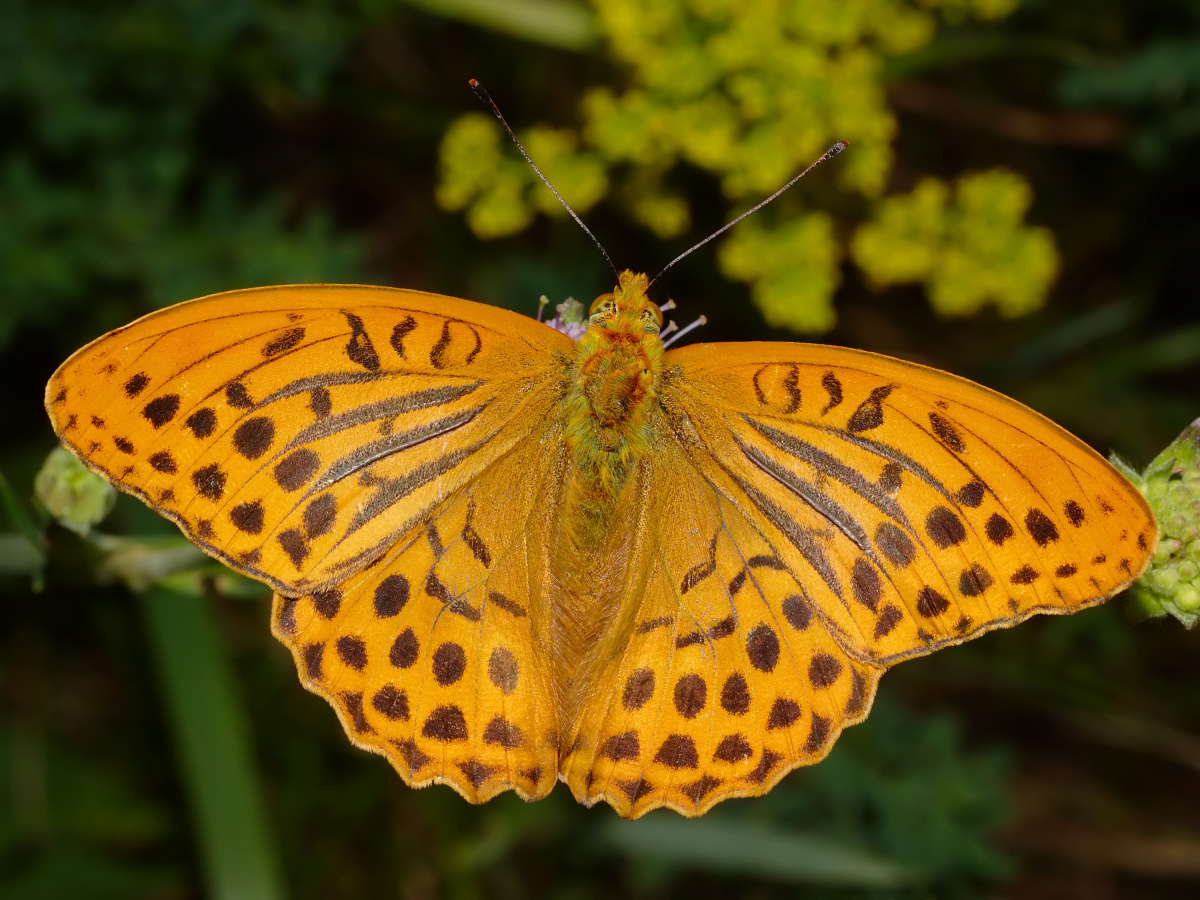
{"x": 483, "y": 95}
{"x": 703, "y": 320}
{"x": 828, "y": 154}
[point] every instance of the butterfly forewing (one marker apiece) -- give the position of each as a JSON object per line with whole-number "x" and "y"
{"x": 918, "y": 508}
{"x": 317, "y": 427}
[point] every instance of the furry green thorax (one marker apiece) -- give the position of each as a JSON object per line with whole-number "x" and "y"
{"x": 618, "y": 366}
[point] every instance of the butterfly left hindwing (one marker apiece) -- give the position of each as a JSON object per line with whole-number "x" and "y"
{"x": 436, "y": 656}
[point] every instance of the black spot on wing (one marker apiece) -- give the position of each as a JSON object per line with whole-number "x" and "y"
{"x": 210, "y": 482}
{"x": 971, "y": 494}
{"x": 319, "y": 402}
{"x": 202, "y": 423}
{"x": 944, "y": 528}
{"x": 283, "y": 342}
{"x": 947, "y": 433}
{"x": 869, "y": 414}
{"x": 998, "y": 529}
{"x": 400, "y": 332}
{"x": 237, "y": 396}
{"x": 296, "y": 469}
{"x": 359, "y": 348}
{"x": 136, "y": 384}
{"x": 833, "y": 388}
{"x": 164, "y": 462}
{"x": 1041, "y": 528}
{"x": 254, "y": 437}
{"x": 161, "y": 410}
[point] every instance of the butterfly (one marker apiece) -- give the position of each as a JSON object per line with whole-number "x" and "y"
{"x": 664, "y": 577}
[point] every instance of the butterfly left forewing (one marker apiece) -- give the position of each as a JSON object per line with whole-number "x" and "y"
{"x": 920, "y": 508}
{"x": 297, "y": 432}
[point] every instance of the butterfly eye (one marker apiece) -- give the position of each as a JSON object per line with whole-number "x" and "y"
{"x": 655, "y": 313}
{"x": 600, "y": 304}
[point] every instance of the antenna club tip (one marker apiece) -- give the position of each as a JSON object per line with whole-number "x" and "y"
{"x": 473, "y": 82}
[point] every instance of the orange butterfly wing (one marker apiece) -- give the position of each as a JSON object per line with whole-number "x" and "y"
{"x": 378, "y": 457}
{"x": 306, "y": 438}
{"x": 815, "y": 515}
{"x": 394, "y": 464}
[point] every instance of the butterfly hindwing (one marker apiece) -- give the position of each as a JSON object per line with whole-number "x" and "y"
{"x": 436, "y": 655}
{"x": 723, "y": 675}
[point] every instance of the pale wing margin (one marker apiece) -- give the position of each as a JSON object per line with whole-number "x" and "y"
{"x": 296, "y": 432}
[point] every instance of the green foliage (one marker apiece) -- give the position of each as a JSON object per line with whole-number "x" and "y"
{"x": 968, "y": 250}
{"x": 72, "y": 493}
{"x": 751, "y": 94}
{"x": 900, "y": 786}
{"x": 66, "y": 821}
{"x": 496, "y": 190}
{"x": 104, "y": 182}
{"x": 882, "y": 784}
{"x": 1158, "y": 84}
{"x": 1171, "y": 586}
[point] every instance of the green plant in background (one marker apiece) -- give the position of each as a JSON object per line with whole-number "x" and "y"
{"x": 751, "y": 94}
{"x": 1158, "y": 83}
{"x": 73, "y": 495}
{"x": 172, "y": 580}
{"x": 967, "y": 250}
{"x": 105, "y": 183}
{"x": 1172, "y": 485}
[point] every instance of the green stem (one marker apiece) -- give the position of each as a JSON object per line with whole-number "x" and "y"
{"x": 212, "y": 744}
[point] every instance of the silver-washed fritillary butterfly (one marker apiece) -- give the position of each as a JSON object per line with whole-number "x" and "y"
{"x": 663, "y": 577}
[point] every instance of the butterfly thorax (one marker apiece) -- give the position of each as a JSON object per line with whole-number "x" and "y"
{"x": 618, "y": 366}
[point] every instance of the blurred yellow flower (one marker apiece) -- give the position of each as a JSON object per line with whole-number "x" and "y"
{"x": 968, "y": 250}
{"x": 752, "y": 93}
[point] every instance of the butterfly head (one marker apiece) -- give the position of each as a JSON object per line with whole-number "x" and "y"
{"x": 627, "y": 308}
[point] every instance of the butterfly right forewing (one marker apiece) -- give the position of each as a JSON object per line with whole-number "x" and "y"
{"x": 920, "y": 508}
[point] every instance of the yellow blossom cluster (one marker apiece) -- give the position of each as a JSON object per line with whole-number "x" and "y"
{"x": 751, "y": 93}
{"x": 968, "y": 249}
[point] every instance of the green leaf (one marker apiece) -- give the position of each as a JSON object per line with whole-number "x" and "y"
{"x": 737, "y": 848}
{"x": 212, "y": 742}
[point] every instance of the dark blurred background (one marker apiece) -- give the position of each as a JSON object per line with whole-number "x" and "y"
{"x": 156, "y": 150}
